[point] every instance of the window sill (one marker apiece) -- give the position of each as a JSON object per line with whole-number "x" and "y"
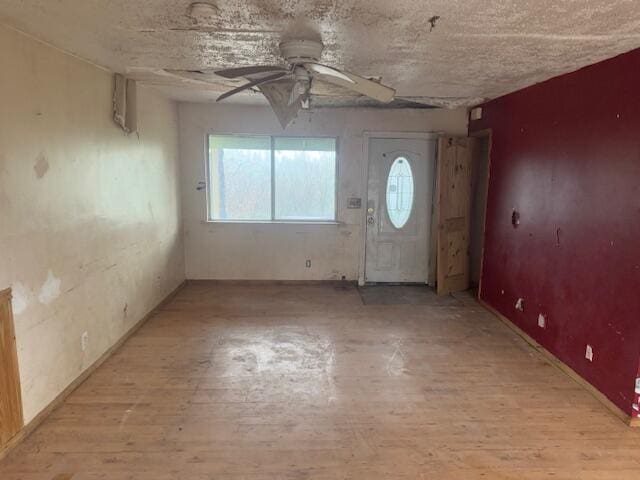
{"x": 273, "y": 222}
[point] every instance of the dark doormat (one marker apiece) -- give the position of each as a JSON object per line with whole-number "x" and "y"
{"x": 405, "y": 295}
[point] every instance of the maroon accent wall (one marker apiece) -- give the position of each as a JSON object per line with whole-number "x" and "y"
{"x": 566, "y": 155}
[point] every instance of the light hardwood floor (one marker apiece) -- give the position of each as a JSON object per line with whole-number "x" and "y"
{"x": 266, "y": 382}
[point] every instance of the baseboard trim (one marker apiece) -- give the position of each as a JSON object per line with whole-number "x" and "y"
{"x": 270, "y": 282}
{"x": 56, "y": 402}
{"x": 564, "y": 368}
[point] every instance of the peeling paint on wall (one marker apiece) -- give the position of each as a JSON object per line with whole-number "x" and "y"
{"x": 50, "y": 289}
{"x": 85, "y": 228}
{"x": 20, "y": 295}
{"x": 636, "y": 405}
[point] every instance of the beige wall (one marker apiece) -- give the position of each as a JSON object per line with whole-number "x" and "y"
{"x": 90, "y": 234}
{"x": 279, "y": 251}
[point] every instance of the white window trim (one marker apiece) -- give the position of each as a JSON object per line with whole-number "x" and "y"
{"x": 273, "y": 220}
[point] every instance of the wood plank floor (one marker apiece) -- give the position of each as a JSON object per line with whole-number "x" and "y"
{"x": 265, "y": 382}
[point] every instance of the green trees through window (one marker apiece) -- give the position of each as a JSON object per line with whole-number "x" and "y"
{"x": 262, "y": 178}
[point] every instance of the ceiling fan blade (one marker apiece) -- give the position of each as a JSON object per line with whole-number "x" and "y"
{"x": 196, "y": 75}
{"x": 253, "y": 83}
{"x": 244, "y": 71}
{"x": 278, "y": 93}
{"x": 356, "y": 83}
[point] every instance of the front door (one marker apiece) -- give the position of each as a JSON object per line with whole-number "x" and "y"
{"x": 398, "y": 220}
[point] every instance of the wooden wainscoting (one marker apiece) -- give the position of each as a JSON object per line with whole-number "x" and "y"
{"x": 11, "y": 420}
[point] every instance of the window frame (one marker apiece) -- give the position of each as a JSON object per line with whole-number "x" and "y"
{"x": 273, "y": 220}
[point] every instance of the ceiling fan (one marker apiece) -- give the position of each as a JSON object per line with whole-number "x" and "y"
{"x": 288, "y": 87}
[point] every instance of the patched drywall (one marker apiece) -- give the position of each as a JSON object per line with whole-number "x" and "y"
{"x": 89, "y": 217}
{"x": 50, "y": 289}
{"x": 279, "y": 251}
{"x": 476, "y": 49}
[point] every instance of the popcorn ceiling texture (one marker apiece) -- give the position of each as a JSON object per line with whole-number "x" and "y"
{"x": 478, "y": 49}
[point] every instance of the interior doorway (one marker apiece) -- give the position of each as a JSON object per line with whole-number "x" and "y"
{"x": 398, "y": 209}
{"x": 479, "y": 189}
{"x": 462, "y": 181}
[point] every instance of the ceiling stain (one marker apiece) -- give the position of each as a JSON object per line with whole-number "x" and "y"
{"x": 446, "y": 52}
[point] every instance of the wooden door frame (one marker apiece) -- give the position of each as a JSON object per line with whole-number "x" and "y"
{"x": 366, "y": 139}
{"x": 485, "y": 134}
{"x": 14, "y": 369}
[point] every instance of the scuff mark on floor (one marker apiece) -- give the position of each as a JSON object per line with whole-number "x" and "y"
{"x": 127, "y": 413}
{"x": 398, "y": 357}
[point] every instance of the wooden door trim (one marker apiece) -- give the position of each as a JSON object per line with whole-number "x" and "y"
{"x": 5, "y": 294}
{"x": 14, "y": 421}
{"x": 484, "y": 134}
{"x": 60, "y": 398}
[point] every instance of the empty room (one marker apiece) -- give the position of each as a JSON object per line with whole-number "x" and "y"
{"x": 318, "y": 240}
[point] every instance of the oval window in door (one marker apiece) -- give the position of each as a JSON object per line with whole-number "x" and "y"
{"x": 400, "y": 192}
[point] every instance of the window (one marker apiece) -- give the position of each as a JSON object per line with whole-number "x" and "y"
{"x": 259, "y": 178}
{"x": 400, "y": 192}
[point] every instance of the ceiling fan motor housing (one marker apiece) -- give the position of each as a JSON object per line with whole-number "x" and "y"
{"x": 288, "y": 89}
{"x": 301, "y": 51}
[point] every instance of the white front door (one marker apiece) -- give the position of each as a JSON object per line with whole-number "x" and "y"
{"x": 398, "y": 220}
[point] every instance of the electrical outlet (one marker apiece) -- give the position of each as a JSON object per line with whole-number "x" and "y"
{"x": 588, "y": 354}
{"x": 84, "y": 340}
{"x": 308, "y": 263}
{"x": 542, "y": 322}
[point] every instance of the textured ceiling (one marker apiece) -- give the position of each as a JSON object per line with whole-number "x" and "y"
{"x": 479, "y": 49}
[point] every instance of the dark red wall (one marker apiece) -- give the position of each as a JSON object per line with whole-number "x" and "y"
{"x": 566, "y": 155}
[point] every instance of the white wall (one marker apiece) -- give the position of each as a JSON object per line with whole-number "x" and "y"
{"x": 279, "y": 251}
{"x": 90, "y": 233}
